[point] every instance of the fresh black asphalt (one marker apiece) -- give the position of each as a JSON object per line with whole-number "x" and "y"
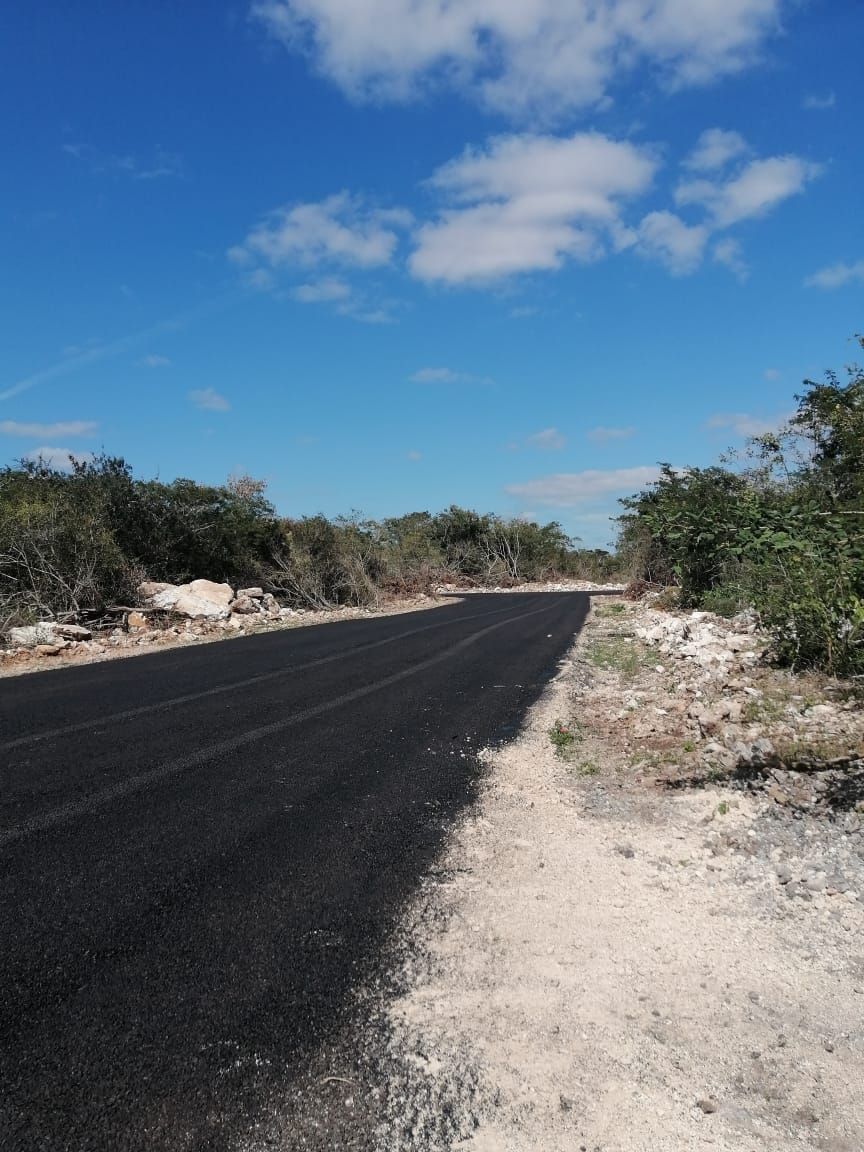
{"x": 203, "y": 851}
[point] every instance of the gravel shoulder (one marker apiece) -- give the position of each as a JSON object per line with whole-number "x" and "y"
{"x": 639, "y": 939}
{"x": 118, "y": 642}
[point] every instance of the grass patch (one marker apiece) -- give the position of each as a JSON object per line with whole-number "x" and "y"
{"x": 612, "y": 610}
{"x": 565, "y": 737}
{"x": 617, "y": 654}
{"x": 587, "y": 768}
{"x": 815, "y": 751}
{"x": 766, "y": 710}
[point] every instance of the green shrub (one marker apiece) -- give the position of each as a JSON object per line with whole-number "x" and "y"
{"x": 784, "y": 534}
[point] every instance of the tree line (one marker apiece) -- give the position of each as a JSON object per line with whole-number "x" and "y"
{"x": 75, "y": 542}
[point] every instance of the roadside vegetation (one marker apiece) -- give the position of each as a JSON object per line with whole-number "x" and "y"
{"x": 74, "y": 542}
{"x": 778, "y": 529}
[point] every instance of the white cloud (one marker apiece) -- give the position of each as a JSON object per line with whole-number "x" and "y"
{"x": 714, "y": 149}
{"x": 537, "y": 57}
{"x": 157, "y": 167}
{"x": 209, "y": 400}
{"x": 754, "y": 191}
{"x": 154, "y": 361}
{"x": 604, "y": 434}
{"x": 446, "y": 376}
{"x": 771, "y": 374}
{"x": 260, "y": 279}
{"x": 837, "y": 276}
{"x": 382, "y": 315}
{"x": 547, "y": 440}
{"x": 325, "y": 291}
{"x": 571, "y": 489}
{"x": 729, "y": 253}
{"x": 48, "y": 431}
{"x": 59, "y": 459}
{"x": 413, "y": 455}
{"x": 340, "y": 231}
{"x": 664, "y": 237}
{"x": 744, "y": 424}
{"x": 815, "y": 103}
{"x": 528, "y": 203}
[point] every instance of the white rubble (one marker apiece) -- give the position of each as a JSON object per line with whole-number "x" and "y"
{"x": 707, "y": 640}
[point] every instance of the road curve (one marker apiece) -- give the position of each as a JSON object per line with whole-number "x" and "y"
{"x": 203, "y": 852}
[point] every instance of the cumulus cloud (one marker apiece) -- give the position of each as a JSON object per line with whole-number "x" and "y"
{"x": 520, "y": 57}
{"x": 209, "y": 400}
{"x": 322, "y": 291}
{"x": 729, "y": 253}
{"x": 714, "y": 150}
{"x": 603, "y": 434}
{"x": 528, "y": 203}
{"x": 771, "y": 374}
{"x": 59, "y": 430}
{"x": 752, "y": 192}
{"x": 572, "y": 489}
{"x": 60, "y": 459}
{"x": 154, "y": 361}
{"x": 339, "y": 231}
{"x": 547, "y": 440}
{"x": 664, "y": 237}
{"x": 837, "y": 276}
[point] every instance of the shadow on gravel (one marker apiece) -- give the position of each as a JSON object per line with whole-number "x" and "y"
{"x": 833, "y": 786}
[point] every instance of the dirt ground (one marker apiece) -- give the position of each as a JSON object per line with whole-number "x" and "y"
{"x": 607, "y": 960}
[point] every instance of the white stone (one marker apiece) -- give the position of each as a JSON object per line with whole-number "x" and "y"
{"x": 30, "y": 635}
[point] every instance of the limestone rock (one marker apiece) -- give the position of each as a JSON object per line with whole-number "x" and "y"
{"x": 46, "y": 632}
{"x": 245, "y": 605}
{"x": 198, "y": 600}
{"x": 208, "y": 590}
{"x": 30, "y": 635}
{"x": 72, "y": 632}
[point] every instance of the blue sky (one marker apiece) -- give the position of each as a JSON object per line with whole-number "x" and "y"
{"x": 393, "y": 254}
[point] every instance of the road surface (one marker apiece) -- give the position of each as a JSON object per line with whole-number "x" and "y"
{"x": 203, "y": 852}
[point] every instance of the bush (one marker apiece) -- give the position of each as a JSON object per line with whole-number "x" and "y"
{"x": 783, "y": 534}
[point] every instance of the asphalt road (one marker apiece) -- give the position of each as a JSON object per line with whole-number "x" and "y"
{"x": 202, "y": 852}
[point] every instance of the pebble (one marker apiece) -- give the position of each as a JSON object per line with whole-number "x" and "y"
{"x": 707, "y": 1106}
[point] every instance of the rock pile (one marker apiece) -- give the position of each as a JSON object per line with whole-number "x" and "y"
{"x": 48, "y": 637}
{"x": 713, "y": 644}
{"x": 168, "y": 613}
{"x": 700, "y": 703}
{"x": 206, "y": 600}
